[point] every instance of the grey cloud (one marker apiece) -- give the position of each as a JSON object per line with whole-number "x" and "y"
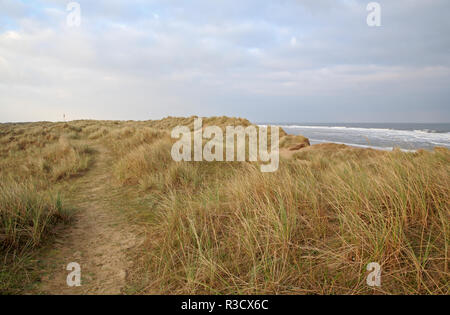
{"x": 147, "y": 59}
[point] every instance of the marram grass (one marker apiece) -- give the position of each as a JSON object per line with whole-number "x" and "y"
{"x": 312, "y": 227}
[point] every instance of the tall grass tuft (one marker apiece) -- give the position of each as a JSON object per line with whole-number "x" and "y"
{"x": 27, "y": 219}
{"x": 311, "y": 227}
{"x": 26, "y": 215}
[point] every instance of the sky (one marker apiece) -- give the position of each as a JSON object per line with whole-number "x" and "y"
{"x": 268, "y": 61}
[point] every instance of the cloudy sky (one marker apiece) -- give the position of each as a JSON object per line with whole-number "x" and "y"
{"x": 279, "y": 61}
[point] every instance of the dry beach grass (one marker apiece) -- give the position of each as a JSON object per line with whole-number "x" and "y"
{"x": 217, "y": 227}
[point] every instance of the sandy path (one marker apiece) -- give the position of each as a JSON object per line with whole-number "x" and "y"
{"x": 99, "y": 240}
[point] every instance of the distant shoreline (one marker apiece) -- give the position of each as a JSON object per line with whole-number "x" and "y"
{"x": 381, "y": 136}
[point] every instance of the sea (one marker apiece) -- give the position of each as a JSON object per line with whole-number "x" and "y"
{"x": 383, "y": 136}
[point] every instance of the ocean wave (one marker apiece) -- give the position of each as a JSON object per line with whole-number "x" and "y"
{"x": 380, "y": 138}
{"x": 431, "y": 131}
{"x": 333, "y": 127}
{"x": 365, "y": 146}
{"x": 445, "y": 137}
{"x": 427, "y": 130}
